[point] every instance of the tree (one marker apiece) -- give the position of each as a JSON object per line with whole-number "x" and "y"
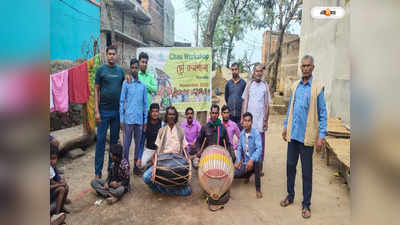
{"x": 237, "y": 17}
{"x": 212, "y": 20}
{"x": 278, "y": 15}
{"x": 195, "y": 7}
{"x": 244, "y": 63}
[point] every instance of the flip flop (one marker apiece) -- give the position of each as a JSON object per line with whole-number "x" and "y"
{"x": 286, "y": 202}
{"x": 306, "y": 213}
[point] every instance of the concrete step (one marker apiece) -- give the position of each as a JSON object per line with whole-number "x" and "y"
{"x": 75, "y": 153}
{"x": 71, "y": 138}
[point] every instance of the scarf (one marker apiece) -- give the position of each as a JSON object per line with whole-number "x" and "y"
{"x": 218, "y": 125}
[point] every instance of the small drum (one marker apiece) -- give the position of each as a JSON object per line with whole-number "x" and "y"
{"x": 171, "y": 170}
{"x": 216, "y": 171}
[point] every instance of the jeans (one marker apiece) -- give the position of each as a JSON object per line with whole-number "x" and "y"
{"x": 296, "y": 149}
{"x": 141, "y": 148}
{"x": 262, "y": 134}
{"x": 136, "y": 130}
{"x": 242, "y": 173}
{"x": 108, "y": 118}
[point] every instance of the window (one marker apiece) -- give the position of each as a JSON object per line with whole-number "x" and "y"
{"x": 108, "y": 37}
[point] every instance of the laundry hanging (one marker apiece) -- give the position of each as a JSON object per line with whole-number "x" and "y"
{"x": 60, "y": 91}
{"x": 78, "y": 86}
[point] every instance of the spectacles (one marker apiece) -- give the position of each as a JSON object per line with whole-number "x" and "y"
{"x": 306, "y": 65}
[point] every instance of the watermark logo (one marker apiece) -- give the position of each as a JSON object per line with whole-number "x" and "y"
{"x": 327, "y": 12}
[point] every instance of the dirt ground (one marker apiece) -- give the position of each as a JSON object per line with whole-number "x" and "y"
{"x": 330, "y": 199}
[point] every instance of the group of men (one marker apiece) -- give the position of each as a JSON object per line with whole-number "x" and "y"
{"x": 125, "y": 102}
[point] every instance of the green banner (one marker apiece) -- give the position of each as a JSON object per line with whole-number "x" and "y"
{"x": 183, "y": 77}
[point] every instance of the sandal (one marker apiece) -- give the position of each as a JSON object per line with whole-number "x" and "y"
{"x": 306, "y": 213}
{"x": 286, "y": 202}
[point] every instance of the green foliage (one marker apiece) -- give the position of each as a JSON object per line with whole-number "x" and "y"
{"x": 244, "y": 63}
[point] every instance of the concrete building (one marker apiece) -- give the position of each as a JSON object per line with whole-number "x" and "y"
{"x": 137, "y": 24}
{"x": 74, "y": 25}
{"x": 287, "y": 71}
{"x": 328, "y": 42}
{"x": 169, "y": 23}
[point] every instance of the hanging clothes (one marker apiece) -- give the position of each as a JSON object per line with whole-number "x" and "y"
{"x": 51, "y": 96}
{"x": 78, "y": 86}
{"x": 60, "y": 91}
{"x": 92, "y": 63}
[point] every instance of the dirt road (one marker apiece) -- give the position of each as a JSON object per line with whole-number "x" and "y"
{"x": 330, "y": 197}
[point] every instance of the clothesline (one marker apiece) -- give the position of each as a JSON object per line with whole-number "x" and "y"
{"x": 75, "y": 84}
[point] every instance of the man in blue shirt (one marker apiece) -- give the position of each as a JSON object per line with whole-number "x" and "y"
{"x": 249, "y": 153}
{"x": 107, "y": 91}
{"x": 133, "y": 112}
{"x": 305, "y": 126}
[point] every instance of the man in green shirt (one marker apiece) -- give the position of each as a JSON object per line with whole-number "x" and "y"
{"x": 151, "y": 87}
{"x": 145, "y": 77}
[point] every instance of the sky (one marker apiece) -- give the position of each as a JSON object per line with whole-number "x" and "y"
{"x": 185, "y": 27}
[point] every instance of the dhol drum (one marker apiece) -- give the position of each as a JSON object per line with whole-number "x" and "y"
{"x": 171, "y": 170}
{"x": 216, "y": 171}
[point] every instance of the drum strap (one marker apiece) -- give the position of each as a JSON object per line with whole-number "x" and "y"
{"x": 218, "y": 133}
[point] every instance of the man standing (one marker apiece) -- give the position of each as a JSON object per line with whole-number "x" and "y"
{"x": 107, "y": 91}
{"x": 133, "y": 112}
{"x": 305, "y": 126}
{"x": 256, "y": 98}
{"x": 213, "y": 133}
{"x": 230, "y": 126}
{"x": 170, "y": 139}
{"x": 151, "y": 87}
{"x": 233, "y": 93}
{"x": 249, "y": 153}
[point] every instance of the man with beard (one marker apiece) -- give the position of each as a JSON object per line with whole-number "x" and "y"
{"x": 170, "y": 139}
{"x": 213, "y": 133}
{"x": 256, "y": 99}
{"x": 233, "y": 95}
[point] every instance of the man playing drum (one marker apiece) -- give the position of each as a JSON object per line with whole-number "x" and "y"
{"x": 170, "y": 139}
{"x": 213, "y": 133}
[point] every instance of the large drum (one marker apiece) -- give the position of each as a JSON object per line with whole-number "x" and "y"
{"x": 171, "y": 170}
{"x": 216, "y": 171}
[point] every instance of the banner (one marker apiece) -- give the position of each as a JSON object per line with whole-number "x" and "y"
{"x": 183, "y": 77}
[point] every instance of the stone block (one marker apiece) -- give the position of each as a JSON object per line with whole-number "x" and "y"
{"x": 75, "y": 153}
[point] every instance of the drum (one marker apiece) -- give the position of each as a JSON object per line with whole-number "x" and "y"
{"x": 171, "y": 170}
{"x": 216, "y": 171}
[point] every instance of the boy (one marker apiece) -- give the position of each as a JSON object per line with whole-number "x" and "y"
{"x": 153, "y": 126}
{"x": 117, "y": 182}
{"x": 58, "y": 187}
{"x": 249, "y": 153}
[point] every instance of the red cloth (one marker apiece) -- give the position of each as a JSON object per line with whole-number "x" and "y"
{"x": 78, "y": 84}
